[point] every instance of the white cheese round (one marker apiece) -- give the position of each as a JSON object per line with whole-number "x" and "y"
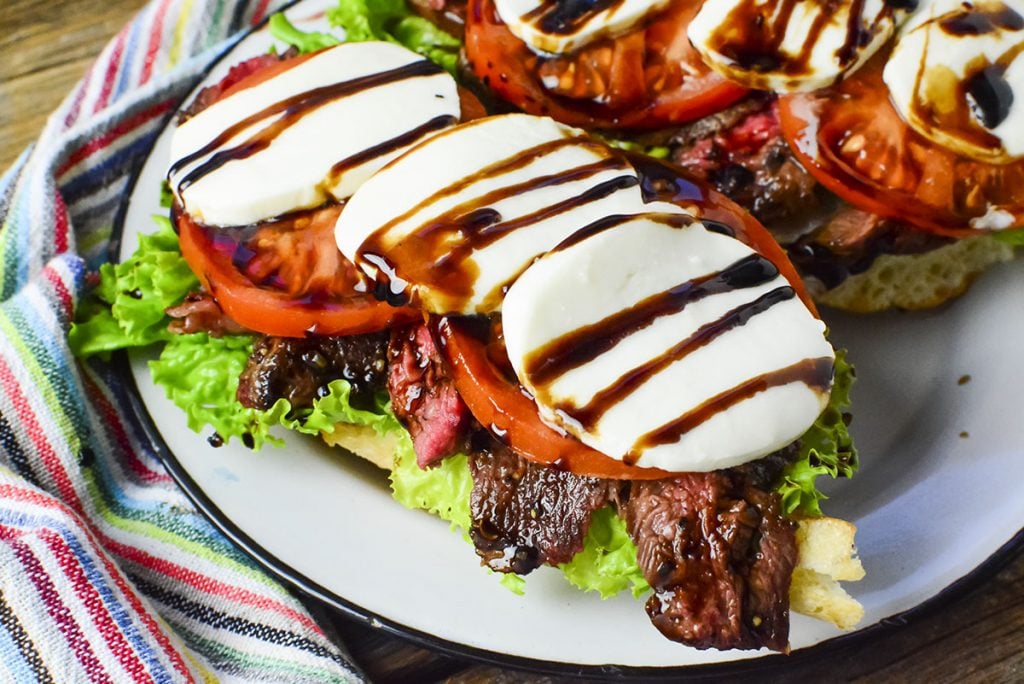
{"x": 457, "y": 218}
{"x": 619, "y": 344}
{"x": 956, "y": 75}
{"x": 313, "y": 132}
{"x": 559, "y": 27}
{"x": 790, "y": 45}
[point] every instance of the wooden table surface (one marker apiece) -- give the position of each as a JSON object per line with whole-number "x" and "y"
{"x": 46, "y": 45}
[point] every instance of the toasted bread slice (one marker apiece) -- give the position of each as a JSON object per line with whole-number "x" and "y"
{"x": 826, "y": 555}
{"x": 917, "y": 281}
{"x": 363, "y": 441}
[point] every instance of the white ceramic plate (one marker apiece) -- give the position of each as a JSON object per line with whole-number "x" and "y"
{"x": 937, "y": 498}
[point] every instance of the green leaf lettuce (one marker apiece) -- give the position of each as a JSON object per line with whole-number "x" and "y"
{"x": 127, "y": 308}
{"x": 286, "y": 32}
{"x": 365, "y": 20}
{"x": 825, "y": 449}
{"x": 393, "y": 21}
{"x": 1014, "y": 237}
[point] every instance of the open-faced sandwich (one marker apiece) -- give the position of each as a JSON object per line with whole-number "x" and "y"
{"x": 879, "y": 141}
{"x": 578, "y": 354}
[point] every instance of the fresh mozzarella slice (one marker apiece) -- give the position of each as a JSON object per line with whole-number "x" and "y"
{"x": 314, "y": 131}
{"x": 456, "y": 219}
{"x": 667, "y": 346}
{"x": 790, "y": 45}
{"x": 956, "y": 75}
{"x": 562, "y": 26}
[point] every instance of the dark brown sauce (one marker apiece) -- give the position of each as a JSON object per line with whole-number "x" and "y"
{"x": 615, "y": 220}
{"x": 968, "y": 108}
{"x": 660, "y": 180}
{"x": 493, "y": 298}
{"x": 517, "y": 161}
{"x": 815, "y": 373}
{"x": 585, "y": 344}
{"x": 389, "y": 146}
{"x": 989, "y": 95}
{"x": 291, "y": 110}
{"x": 437, "y": 253}
{"x": 491, "y": 233}
{"x": 562, "y": 17}
{"x": 753, "y": 34}
{"x": 589, "y": 414}
{"x": 979, "y": 22}
{"x": 387, "y": 286}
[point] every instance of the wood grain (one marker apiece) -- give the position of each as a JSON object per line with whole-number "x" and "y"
{"x": 47, "y": 45}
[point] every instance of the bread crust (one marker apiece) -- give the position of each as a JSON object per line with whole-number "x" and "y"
{"x": 916, "y": 281}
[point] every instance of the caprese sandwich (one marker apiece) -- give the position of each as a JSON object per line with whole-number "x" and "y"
{"x": 879, "y": 141}
{"x": 578, "y": 354}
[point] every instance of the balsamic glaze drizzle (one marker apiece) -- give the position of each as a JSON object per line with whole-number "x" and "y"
{"x": 562, "y": 17}
{"x": 753, "y": 34}
{"x": 590, "y": 413}
{"x": 390, "y": 145}
{"x": 290, "y": 109}
{"x": 437, "y": 253}
{"x": 816, "y": 373}
{"x": 968, "y": 108}
{"x": 583, "y": 345}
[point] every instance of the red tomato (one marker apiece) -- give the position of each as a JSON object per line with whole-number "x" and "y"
{"x": 285, "y": 277}
{"x": 486, "y": 382}
{"x": 648, "y": 78}
{"x": 854, "y": 142}
{"x": 666, "y": 182}
{"x": 497, "y": 401}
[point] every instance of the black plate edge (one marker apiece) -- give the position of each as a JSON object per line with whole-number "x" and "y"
{"x": 768, "y": 664}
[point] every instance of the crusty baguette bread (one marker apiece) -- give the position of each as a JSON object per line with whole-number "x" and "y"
{"x": 363, "y": 441}
{"x": 917, "y": 281}
{"x": 826, "y": 553}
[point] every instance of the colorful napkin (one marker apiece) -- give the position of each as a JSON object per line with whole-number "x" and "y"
{"x": 107, "y": 572}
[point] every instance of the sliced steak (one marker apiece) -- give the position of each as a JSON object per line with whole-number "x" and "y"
{"x": 526, "y": 515}
{"x": 742, "y": 153}
{"x": 199, "y": 312}
{"x": 719, "y": 556}
{"x": 848, "y": 242}
{"x": 299, "y": 369}
{"x": 688, "y": 135}
{"x": 423, "y": 396}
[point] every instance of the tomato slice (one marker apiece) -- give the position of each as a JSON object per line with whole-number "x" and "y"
{"x": 662, "y": 181}
{"x": 854, "y": 142}
{"x": 484, "y": 378}
{"x": 647, "y": 78}
{"x": 497, "y": 401}
{"x": 285, "y": 277}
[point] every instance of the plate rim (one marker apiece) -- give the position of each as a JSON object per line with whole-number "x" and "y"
{"x": 296, "y": 581}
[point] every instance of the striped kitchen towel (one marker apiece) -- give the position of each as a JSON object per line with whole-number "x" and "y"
{"x": 107, "y": 572}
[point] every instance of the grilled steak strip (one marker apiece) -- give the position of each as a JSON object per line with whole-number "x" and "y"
{"x": 423, "y": 396}
{"x": 719, "y": 556}
{"x": 199, "y": 312}
{"x": 299, "y": 369}
{"x": 526, "y": 515}
{"x": 742, "y": 153}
